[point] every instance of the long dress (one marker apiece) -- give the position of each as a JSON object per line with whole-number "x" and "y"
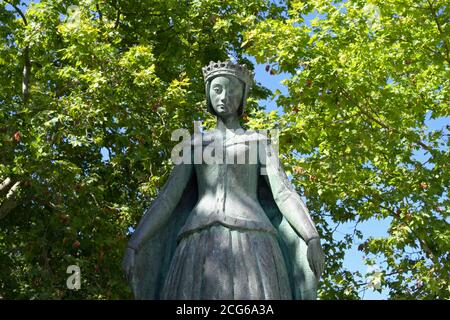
{"x": 228, "y": 241}
{"x": 228, "y": 247}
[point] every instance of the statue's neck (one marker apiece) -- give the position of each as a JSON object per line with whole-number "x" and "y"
{"x": 227, "y": 124}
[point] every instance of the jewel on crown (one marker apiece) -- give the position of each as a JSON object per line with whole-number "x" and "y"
{"x": 227, "y": 68}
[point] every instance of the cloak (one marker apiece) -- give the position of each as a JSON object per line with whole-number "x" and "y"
{"x": 152, "y": 261}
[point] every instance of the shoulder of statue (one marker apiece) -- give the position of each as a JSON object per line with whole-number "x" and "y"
{"x": 206, "y": 137}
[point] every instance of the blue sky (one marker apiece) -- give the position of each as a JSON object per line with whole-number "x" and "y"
{"x": 353, "y": 260}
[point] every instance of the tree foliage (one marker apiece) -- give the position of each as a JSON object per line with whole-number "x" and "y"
{"x": 91, "y": 91}
{"x": 88, "y": 141}
{"x": 366, "y": 78}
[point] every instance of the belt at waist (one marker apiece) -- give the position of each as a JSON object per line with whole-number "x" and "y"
{"x": 201, "y": 222}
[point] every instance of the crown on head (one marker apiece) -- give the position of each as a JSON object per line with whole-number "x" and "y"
{"x": 228, "y": 68}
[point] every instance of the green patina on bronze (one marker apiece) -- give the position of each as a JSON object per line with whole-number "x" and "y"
{"x": 226, "y": 230}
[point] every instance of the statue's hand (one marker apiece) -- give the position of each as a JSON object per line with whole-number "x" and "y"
{"x": 128, "y": 262}
{"x": 315, "y": 257}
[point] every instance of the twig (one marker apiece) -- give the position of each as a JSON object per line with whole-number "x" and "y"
{"x": 95, "y": 200}
{"x": 335, "y": 228}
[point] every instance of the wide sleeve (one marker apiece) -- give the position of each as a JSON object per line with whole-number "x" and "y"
{"x": 156, "y": 249}
{"x": 162, "y": 208}
{"x": 287, "y": 199}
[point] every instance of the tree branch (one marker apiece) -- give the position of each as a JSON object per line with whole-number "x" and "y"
{"x": 378, "y": 121}
{"x": 423, "y": 243}
{"x": 26, "y": 59}
{"x": 26, "y": 74}
{"x": 18, "y": 11}
{"x": 441, "y": 32}
{"x": 10, "y": 202}
{"x": 5, "y": 184}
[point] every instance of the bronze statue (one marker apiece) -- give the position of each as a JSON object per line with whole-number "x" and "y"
{"x": 226, "y": 230}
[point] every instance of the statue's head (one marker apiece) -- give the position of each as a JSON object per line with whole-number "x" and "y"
{"x": 227, "y": 87}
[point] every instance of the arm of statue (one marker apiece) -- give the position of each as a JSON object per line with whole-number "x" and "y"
{"x": 292, "y": 208}
{"x": 157, "y": 216}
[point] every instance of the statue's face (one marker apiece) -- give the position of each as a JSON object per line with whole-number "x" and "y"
{"x": 225, "y": 94}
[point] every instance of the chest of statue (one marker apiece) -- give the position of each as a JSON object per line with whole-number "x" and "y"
{"x": 227, "y": 188}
